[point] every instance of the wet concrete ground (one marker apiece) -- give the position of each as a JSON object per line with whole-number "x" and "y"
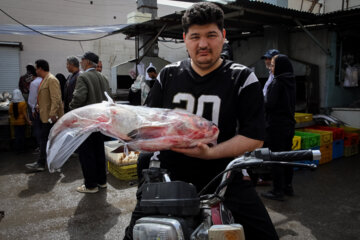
{"x": 46, "y": 206}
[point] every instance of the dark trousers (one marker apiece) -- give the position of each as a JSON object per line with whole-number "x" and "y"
{"x": 36, "y": 127}
{"x": 244, "y": 203}
{"x": 45, "y": 130}
{"x": 19, "y": 131}
{"x": 282, "y": 176}
{"x": 92, "y": 160}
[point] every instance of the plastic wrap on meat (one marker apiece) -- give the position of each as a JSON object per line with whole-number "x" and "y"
{"x": 137, "y": 128}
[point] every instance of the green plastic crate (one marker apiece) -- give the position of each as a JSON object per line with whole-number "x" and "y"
{"x": 308, "y": 140}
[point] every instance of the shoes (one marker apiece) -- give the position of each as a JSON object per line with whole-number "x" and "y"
{"x": 289, "y": 191}
{"x": 84, "y": 189}
{"x": 102, "y": 185}
{"x": 36, "y": 151}
{"x": 274, "y": 196}
{"x": 35, "y": 166}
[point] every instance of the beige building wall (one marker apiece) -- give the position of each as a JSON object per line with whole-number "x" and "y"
{"x": 112, "y": 50}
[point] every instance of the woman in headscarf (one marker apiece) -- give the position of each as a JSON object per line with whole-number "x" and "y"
{"x": 280, "y": 102}
{"x": 18, "y": 118}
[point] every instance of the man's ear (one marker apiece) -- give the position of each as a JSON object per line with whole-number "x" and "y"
{"x": 224, "y": 33}
{"x": 184, "y": 36}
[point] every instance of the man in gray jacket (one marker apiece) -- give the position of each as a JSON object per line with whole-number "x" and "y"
{"x": 89, "y": 89}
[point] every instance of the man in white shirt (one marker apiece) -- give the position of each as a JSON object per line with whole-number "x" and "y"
{"x": 267, "y": 58}
{"x": 32, "y": 101}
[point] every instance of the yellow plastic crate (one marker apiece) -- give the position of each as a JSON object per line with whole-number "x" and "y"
{"x": 127, "y": 172}
{"x": 326, "y": 153}
{"x": 326, "y": 137}
{"x": 303, "y": 117}
{"x": 351, "y": 150}
{"x": 296, "y": 143}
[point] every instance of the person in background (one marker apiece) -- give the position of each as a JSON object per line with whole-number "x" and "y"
{"x": 267, "y": 59}
{"x": 229, "y": 95}
{"x": 280, "y": 102}
{"x": 227, "y": 52}
{"x": 18, "y": 118}
{"x": 90, "y": 88}
{"x": 99, "y": 66}
{"x": 147, "y": 82}
{"x": 50, "y": 108}
{"x": 34, "y": 116}
{"x": 72, "y": 65}
{"x": 25, "y": 80}
{"x": 62, "y": 81}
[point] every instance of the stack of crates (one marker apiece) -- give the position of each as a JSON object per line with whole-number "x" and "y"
{"x": 309, "y": 141}
{"x": 338, "y": 140}
{"x": 303, "y": 117}
{"x": 326, "y": 144}
{"x": 351, "y": 144}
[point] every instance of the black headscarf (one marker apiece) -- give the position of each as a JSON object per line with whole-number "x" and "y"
{"x": 283, "y": 66}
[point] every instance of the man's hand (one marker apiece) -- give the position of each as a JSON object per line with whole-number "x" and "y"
{"x": 53, "y": 118}
{"x": 202, "y": 151}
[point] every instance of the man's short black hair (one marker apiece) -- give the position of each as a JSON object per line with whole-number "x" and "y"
{"x": 43, "y": 64}
{"x": 201, "y": 14}
{"x": 31, "y": 69}
{"x": 151, "y": 69}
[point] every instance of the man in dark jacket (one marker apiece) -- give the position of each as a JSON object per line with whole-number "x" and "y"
{"x": 89, "y": 89}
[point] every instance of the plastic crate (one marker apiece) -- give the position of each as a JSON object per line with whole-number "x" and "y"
{"x": 350, "y": 129}
{"x": 326, "y": 153}
{"x": 351, "y": 139}
{"x": 338, "y": 149}
{"x": 127, "y": 172}
{"x": 316, "y": 162}
{"x": 326, "y": 137}
{"x": 351, "y": 150}
{"x": 303, "y": 117}
{"x": 308, "y": 140}
{"x": 296, "y": 143}
{"x": 338, "y": 133}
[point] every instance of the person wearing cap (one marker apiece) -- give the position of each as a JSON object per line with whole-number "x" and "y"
{"x": 49, "y": 106}
{"x": 90, "y": 88}
{"x": 99, "y": 66}
{"x": 267, "y": 58}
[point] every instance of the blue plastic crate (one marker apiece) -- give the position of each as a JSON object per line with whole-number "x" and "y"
{"x": 309, "y": 161}
{"x": 338, "y": 148}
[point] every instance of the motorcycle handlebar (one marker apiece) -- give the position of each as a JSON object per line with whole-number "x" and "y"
{"x": 290, "y": 156}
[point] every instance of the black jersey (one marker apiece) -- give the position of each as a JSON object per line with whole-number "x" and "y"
{"x": 229, "y": 96}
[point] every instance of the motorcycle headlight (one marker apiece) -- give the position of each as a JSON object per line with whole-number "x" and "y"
{"x": 157, "y": 228}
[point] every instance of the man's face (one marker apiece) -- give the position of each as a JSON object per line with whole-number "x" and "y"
{"x": 69, "y": 67}
{"x": 272, "y": 65}
{"x": 267, "y": 63}
{"x": 83, "y": 63}
{"x": 204, "y": 44}
{"x": 152, "y": 75}
{"x": 99, "y": 66}
{"x": 38, "y": 71}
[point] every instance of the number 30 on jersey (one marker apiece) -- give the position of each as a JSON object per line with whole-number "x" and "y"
{"x": 191, "y": 101}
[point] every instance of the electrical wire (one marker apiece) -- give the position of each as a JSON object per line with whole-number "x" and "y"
{"x": 58, "y": 38}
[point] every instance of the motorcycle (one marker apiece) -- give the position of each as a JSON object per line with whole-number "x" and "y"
{"x": 175, "y": 210}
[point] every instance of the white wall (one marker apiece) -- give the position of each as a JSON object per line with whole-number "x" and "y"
{"x": 111, "y": 50}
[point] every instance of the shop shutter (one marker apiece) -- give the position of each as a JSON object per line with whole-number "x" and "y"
{"x": 9, "y": 68}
